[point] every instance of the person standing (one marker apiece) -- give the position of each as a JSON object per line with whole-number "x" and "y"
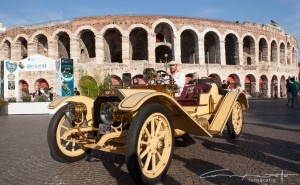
{"x": 50, "y": 95}
{"x": 178, "y": 76}
{"x": 288, "y": 86}
{"x": 76, "y": 92}
{"x": 295, "y": 90}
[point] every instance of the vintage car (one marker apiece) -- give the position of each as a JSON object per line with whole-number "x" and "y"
{"x": 142, "y": 122}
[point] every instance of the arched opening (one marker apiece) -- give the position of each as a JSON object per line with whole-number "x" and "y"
{"x": 188, "y": 78}
{"x": 250, "y": 85}
{"x": 263, "y": 86}
{"x": 282, "y": 86}
{"x": 23, "y": 48}
{"x": 87, "y": 46}
{"x": 164, "y": 37}
{"x": 249, "y": 61}
{"x": 248, "y": 49}
{"x": 138, "y": 80}
{"x": 294, "y": 56}
{"x": 263, "y": 50}
{"x": 42, "y": 44}
{"x": 7, "y": 50}
{"x": 116, "y": 81}
{"x": 231, "y": 50}
{"x": 215, "y": 78}
{"x": 234, "y": 81}
{"x": 42, "y": 84}
{"x": 212, "y": 48}
{"x": 138, "y": 44}
{"x": 23, "y": 88}
{"x": 274, "y": 52}
{"x": 274, "y": 82}
{"x": 163, "y": 53}
{"x": 288, "y": 57}
{"x": 189, "y": 47}
{"x": 282, "y": 53}
{"x": 63, "y": 45}
{"x": 113, "y": 46}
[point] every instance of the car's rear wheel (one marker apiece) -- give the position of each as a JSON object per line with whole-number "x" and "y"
{"x": 235, "y": 122}
{"x": 149, "y": 145}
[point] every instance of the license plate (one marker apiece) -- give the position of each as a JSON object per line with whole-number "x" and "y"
{"x": 104, "y": 129}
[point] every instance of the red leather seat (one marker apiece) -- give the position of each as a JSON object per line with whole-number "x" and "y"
{"x": 190, "y": 94}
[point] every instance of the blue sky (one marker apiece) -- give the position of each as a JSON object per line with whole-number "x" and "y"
{"x": 28, "y": 12}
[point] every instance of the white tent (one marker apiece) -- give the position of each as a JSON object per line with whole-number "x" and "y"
{"x": 37, "y": 62}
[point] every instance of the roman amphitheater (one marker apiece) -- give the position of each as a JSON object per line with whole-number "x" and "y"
{"x": 251, "y": 55}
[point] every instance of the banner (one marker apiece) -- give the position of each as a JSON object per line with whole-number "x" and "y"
{"x": 64, "y": 77}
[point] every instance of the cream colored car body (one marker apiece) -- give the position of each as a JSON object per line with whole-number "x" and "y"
{"x": 206, "y": 119}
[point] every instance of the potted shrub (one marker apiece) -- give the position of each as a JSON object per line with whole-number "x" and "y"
{"x": 26, "y": 98}
{"x": 12, "y": 99}
{"x": 42, "y": 98}
{"x": 3, "y": 106}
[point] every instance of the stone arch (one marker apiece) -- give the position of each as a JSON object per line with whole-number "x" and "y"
{"x": 282, "y": 86}
{"x": 163, "y": 20}
{"x": 133, "y": 26}
{"x": 63, "y": 45}
{"x": 81, "y": 29}
{"x": 263, "y": 50}
{"x": 138, "y": 47}
{"x": 214, "y": 77}
{"x": 113, "y": 26}
{"x": 274, "y": 51}
{"x": 22, "y": 44}
{"x": 234, "y": 80}
{"x": 87, "y": 45}
{"x": 263, "y": 86}
{"x": 249, "y": 49}
{"x": 274, "y": 81}
{"x": 288, "y": 57}
{"x": 232, "y": 49}
{"x": 40, "y": 42}
{"x": 189, "y": 46}
{"x": 116, "y": 80}
{"x": 282, "y": 52}
{"x": 138, "y": 80}
{"x": 112, "y": 45}
{"x": 23, "y": 88}
{"x": 6, "y": 47}
{"x": 212, "y": 48}
{"x": 164, "y": 33}
{"x": 41, "y": 83}
{"x": 250, "y": 85}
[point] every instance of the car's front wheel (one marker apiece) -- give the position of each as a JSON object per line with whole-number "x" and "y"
{"x": 149, "y": 145}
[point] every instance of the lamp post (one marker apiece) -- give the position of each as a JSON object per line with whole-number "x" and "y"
{"x": 166, "y": 61}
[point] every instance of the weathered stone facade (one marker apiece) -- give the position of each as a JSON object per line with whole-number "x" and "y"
{"x": 252, "y": 55}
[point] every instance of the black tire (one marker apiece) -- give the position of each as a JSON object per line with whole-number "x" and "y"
{"x": 235, "y": 121}
{"x": 54, "y": 145}
{"x": 137, "y": 132}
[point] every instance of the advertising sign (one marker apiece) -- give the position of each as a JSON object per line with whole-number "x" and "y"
{"x": 10, "y": 76}
{"x": 2, "y": 79}
{"x": 64, "y": 77}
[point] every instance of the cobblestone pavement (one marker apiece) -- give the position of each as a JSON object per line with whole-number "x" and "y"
{"x": 269, "y": 144}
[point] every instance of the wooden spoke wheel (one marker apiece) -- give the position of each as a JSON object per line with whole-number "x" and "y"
{"x": 149, "y": 145}
{"x": 235, "y": 122}
{"x": 64, "y": 147}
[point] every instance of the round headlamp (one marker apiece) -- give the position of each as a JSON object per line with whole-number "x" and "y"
{"x": 107, "y": 112}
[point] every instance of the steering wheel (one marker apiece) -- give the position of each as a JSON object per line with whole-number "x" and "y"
{"x": 161, "y": 74}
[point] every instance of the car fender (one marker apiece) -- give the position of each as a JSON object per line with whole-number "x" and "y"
{"x": 180, "y": 118}
{"x": 89, "y": 102}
